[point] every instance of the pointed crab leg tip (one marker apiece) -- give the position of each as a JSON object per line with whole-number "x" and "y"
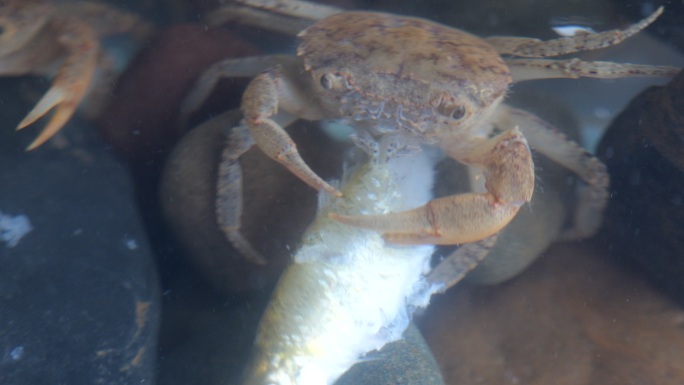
{"x": 32, "y": 146}
{"x": 333, "y": 191}
{"x": 59, "y": 119}
{"x": 30, "y": 119}
{"x": 35, "y": 144}
{"x": 52, "y": 98}
{"x": 257, "y": 259}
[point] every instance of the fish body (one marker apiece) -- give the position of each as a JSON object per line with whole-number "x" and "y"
{"x": 348, "y": 292}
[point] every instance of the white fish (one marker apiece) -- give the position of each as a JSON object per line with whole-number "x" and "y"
{"x": 348, "y": 292}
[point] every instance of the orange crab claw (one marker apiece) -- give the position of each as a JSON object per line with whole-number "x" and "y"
{"x": 71, "y": 82}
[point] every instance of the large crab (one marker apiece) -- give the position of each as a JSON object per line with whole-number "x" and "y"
{"x": 402, "y": 81}
{"x": 40, "y": 37}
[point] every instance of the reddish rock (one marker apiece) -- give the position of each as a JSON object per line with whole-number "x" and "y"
{"x": 142, "y": 118}
{"x": 574, "y": 318}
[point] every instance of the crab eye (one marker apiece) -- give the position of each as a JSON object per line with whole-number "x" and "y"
{"x": 328, "y": 81}
{"x": 455, "y": 112}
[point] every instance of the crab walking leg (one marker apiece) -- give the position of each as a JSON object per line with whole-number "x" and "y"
{"x": 229, "y": 192}
{"x": 71, "y": 82}
{"x": 260, "y": 103}
{"x": 256, "y": 18}
{"x": 552, "y": 143}
{"x": 231, "y": 68}
{"x": 451, "y": 270}
{"x": 535, "y": 48}
{"x": 531, "y": 69}
{"x": 108, "y": 20}
{"x": 456, "y": 219}
{"x": 294, "y": 8}
{"x": 288, "y": 17}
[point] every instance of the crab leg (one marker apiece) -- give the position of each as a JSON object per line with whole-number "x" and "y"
{"x": 231, "y": 68}
{"x": 256, "y": 18}
{"x": 552, "y": 143}
{"x": 71, "y": 82}
{"x": 535, "y": 48}
{"x": 229, "y": 191}
{"x": 260, "y": 102}
{"x": 530, "y": 69}
{"x": 283, "y": 16}
{"x": 456, "y": 219}
{"x": 108, "y": 20}
{"x": 464, "y": 259}
{"x": 294, "y": 8}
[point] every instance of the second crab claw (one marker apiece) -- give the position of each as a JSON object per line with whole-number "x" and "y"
{"x": 444, "y": 221}
{"x": 61, "y": 39}
{"x": 71, "y": 82}
{"x": 507, "y": 164}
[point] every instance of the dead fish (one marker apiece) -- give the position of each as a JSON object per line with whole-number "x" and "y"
{"x": 347, "y": 293}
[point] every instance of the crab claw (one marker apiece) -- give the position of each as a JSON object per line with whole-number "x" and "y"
{"x": 464, "y": 218}
{"x": 71, "y": 82}
{"x": 450, "y": 220}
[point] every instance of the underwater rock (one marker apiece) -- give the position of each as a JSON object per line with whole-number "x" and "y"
{"x": 644, "y": 152}
{"x": 142, "y": 120}
{"x": 206, "y": 341}
{"x": 277, "y": 206}
{"x": 79, "y": 296}
{"x": 573, "y": 318}
{"x": 404, "y": 362}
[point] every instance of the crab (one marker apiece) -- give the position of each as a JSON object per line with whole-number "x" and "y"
{"x": 403, "y": 81}
{"x": 38, "y": 37}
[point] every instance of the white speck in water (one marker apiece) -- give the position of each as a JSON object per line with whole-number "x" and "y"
{"x": 571, "y": 30}
{"x": 17, "y": 353}
{"x": 602, "y": 113}
{"x": 77, "y": 232}
{"x": 130, "y": 243}
{"x": 13, "y": 228}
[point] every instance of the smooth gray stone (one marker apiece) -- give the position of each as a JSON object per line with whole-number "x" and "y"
{"x": 79, "y": 297}
{"x": 405, "y": 362}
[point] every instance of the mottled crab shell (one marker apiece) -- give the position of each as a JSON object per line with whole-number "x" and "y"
{"x": 413, "y": 62}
